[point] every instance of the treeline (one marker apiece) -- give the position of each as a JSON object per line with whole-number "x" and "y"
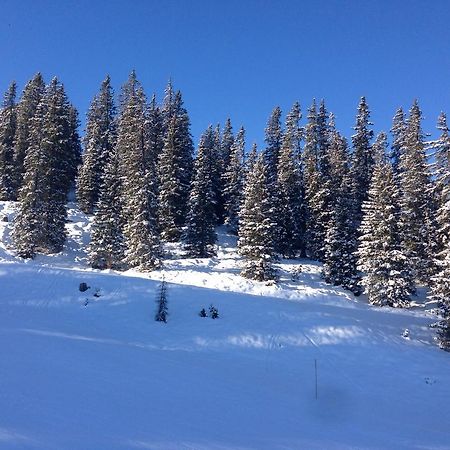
{"x": 376, "y": 214}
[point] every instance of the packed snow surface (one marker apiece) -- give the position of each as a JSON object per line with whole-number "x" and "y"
{"x": 80, "y": 371}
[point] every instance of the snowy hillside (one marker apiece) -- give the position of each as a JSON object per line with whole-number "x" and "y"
{"x": 81, "y": 371}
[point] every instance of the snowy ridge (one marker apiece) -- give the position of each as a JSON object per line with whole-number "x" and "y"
{"x": 97, "y": 372}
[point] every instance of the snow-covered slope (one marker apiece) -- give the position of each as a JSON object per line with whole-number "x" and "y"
{"x": 85, "y": 372}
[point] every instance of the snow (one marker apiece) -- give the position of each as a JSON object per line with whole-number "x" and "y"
{"x": 107, "y": 376}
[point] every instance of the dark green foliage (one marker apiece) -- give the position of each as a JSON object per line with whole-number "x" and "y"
{"x": 341, "y": 239}
{"x": 26, "y": 109}
{"x": 363, "y": 162}
{"x": 256, "y": 229}
{"x": 8, "y": 122}
{"x": 316, "y": 185}
{"x": 161, "y": 301}
{"x": 388, "y": 279}
{"x": 290, "y": 189}
{"x": 213, "y": 312}
{"x": 99, "y": 141}
{"x": 398, "y": 131}
{"x": 416, "y": 202}
{"x": 200, "y": 236}
{"x": 175, "y": 166}
{"x": 234, "y": 182}
{"x": 107, "y": 248}
{"x": 139, "y": 188}
{"x": 50, "y": 168}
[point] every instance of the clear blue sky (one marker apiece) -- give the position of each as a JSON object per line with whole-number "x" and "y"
{"x": 240, "y": 58}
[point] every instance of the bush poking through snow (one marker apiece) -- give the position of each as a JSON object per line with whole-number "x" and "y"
{"x": 213, "y": 312}
{"x": 161, "y": 314}
{"x": 83, "y": 287}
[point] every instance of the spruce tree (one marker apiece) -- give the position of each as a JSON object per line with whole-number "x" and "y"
{"x": 387, "y": 279}
{"x": 273, "y": 139}
{"x": 440, "y": 286}
{"x": 107, "y": 248}
{"x": 26, "y": 109}
{"x": 50, "y": 168}
{"x": 99, "y": 141}
{"x": 161, "y": 301}
{"x": 200, "y": 236}
{"x": 234, "y": 182}
{"x": 398, "y": 131}
{"x": 363, "y": 162}
{"x": 290, "y": 188}
{"x": 175, "y": 166}
{"x": 317, "y": 189}
{"x": 227, "y": 143}
{"x": 139, "y": 194}
{"x": 8, "y": 122}
{"x": 341, "y": 238}
{"x": 217, "y": 171}
{"x": 256, "y": 228}
{"x": 416, "y": 201}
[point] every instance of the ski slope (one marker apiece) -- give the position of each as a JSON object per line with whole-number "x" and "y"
{"x": 86, "y": 372}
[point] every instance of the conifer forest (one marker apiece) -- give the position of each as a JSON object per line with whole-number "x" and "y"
{"x": 373, "y": 208}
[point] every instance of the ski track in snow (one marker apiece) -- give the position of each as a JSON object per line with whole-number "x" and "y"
{"x": 107, "y": 376}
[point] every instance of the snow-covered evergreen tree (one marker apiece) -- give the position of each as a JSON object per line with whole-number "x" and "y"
{"x": 161, "y": 301}
{"x": 440, "y": 286}
{"x": 416, "y": 201}
{"x": 139, "y": 188}
{"x": 217, "y": 171}
{"x": 200, "y": 236}
{"x": 26, "y": 109}
{"x": 317, "y": 189}
{"x": 50, "y": 168}
{"x": 273, "y": 139}
{"x": 8, "y": 122}
{"x": 256, "y": 228}
{"x": 234, "y": 182}
{"x": 107, "y": 248}
{"x": 387, "y": 279}
{"x": 227, "y": 143}
{"x": 290, "y": 188}
{"x": 99, "y": 141}
{"x": 341, "y": 238}
{"x": 175, "y": 166}
{"x": 398, "y": 131}
{"x": 362, "y": 161}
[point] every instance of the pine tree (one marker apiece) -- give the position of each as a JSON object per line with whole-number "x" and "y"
{"x": 49, "y": 164}
{"x": 387, "y": 276}
{"x": 217, "y": 171}
{"x": 227, "y": 143}
{"x": 8, "y": 122}
{"x": 234, "y": 182}
{"x": 290, "y": 188}
{"x": 161, "y": 301}
{"x": 99, "y": 141}
{"x": 175, "y": 166}
{"x": 139, "y": 194}
{"x": 341, "y": 238}
{"x": 255, "y": 241}
{"x": 362, "y": 164}
{"x": 440, "y": 286}
{"x": 416, "y": 202}
{"x": 26, "y": 109}
{"x": 107, "y": 248}
{"x": 398, "y": 131}
{"x": 317, "y": 190}
{"x": 200, "y": 236}
{"x": 273, "y": 139}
